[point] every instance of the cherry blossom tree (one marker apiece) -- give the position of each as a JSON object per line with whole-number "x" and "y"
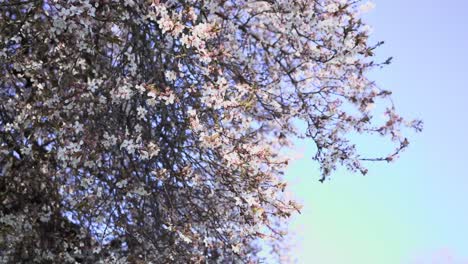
{"x": 136, "y": 131}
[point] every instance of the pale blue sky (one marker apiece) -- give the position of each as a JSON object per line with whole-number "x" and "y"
{"x": 414, "y": 210}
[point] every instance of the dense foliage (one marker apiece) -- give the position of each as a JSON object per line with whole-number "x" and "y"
{"x": 135, "y": 131}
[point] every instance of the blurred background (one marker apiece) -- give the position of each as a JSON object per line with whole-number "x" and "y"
{"x": 414, "y": 210}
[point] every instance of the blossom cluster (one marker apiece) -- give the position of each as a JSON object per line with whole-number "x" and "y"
{"x": 135, "y": 131}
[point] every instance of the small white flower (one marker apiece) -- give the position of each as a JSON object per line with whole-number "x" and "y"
{"x": 236, "y": 248}
{"x": 140, "y": 88}
{"x": 238, "y": 201}
{"x": 129, "y": 145}
{"x": 368, "y": 29}
{"x": 9, "y": 127}
{"x": 93, "y": 85}
{"x": 186, "y": 40}
{"x": 141, "y": 111}
{"x": 333, "y": 7}
{"x": 102, "y": 99}
{"x": 122, "y": 183}
{"x": 154, "y": 149}
{"x": 250, "y": 200}
{"x": 170, "y": 99}
{"x": 152, "y": 95}
{"x": 26, "y": 150}
{"x": 141, "y": 191}
{"x": 165, "y": 23}
{"x": 109, "y": 140}
{"x": 171, "y": 76}
{"x": 124, "y": 92}
{"x": 115, "y": 29}
{"x": 78, "y": 127}
{"x": 184, "y": 238}
{"x": 192, "y": 112}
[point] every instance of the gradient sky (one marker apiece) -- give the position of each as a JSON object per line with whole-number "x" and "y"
{"x": 414, "y": 210}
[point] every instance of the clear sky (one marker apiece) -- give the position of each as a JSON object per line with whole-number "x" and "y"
{"x": 416, "y": 209}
